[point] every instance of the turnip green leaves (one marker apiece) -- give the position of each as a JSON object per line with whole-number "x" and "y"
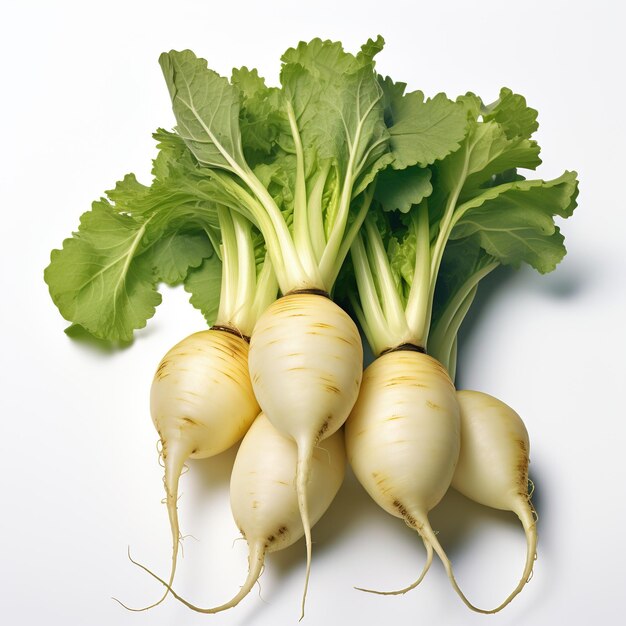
{"x": 471, "y": 212}
{"x": 307, "y": 162}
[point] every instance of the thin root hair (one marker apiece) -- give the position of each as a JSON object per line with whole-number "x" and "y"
{"x": 159, "y": 447}
{"x": 399, "y": 592}
{"x": 258, "y": 582}
{"x": 242, "y": 593}
{"x": 164, "y": 500}
{"x": 325, "y": 450}
{"x": 145, "y": 608}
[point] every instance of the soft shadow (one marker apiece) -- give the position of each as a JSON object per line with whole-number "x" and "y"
{"x": 456, "y": 517}
{"x": 489, "y": 286}
{"x": 85, "y": 339}
{"x": 567, "y": 281}
{"x": 539, "y": 498}
{"x": 214, "y": 473}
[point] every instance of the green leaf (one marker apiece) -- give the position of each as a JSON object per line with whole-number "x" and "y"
{"x": 128, "y": 193}
{"x": 173, "y": 157}
{"x": 401, "y": 251}
{"x": 173, "y": 254}
{"x": 249, "y": 83}
{"x": 514, "y": 222}
{"x": 491, "y": 152}
{"x": 206, "y": 107}
{"x": 486, "y": 152}
{"x": 204, "y": 285}
{"x": 422, "y": 131}
{"x": 337, "y": 104}
{"x": 181, "y": 192}
{"x": 261, "y": 119}
{"x": 326, "y": 60}
{"x": 512, "y": 114}
{"x": 357, "y": 127}
{"x": 370, "y": 49}
{"x": 105, "y": 277}
{"x": 278, "y": 177}
{"x": 99, "y": 278}
{"x": 401, "y": 189}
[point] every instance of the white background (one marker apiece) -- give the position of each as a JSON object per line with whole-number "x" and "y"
{"x": 81, "y": 92}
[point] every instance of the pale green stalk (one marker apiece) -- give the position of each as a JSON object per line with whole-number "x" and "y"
{"x": 379, "y": 336}
{"x": 244, "y": 295}
{"x": 392, "y": 310}
{"x": 418, "y": 309}
{"x": 359, "y": 218}
{"x": 315, "y": 213}
{"x": 301, "y": 233}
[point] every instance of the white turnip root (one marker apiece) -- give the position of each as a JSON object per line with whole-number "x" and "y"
{"x": 201, "y": 403}
{"x": 403, "y": 439}
{"x": 493, "y": 465}
{"x": 306, "y": 365}
{"x": 264, "y": 500}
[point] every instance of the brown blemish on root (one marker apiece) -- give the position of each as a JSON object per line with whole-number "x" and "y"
{"x": 190, "y": 421}
{"x": 323, "y": 429}
{"x": 395, "y": 383}
{"x": 522, "y": 468}
{"x": 432, "y": 405}
{"x": 332, "y": 389}
{"x": 406, "y": 516}
{"x": 277, "y": 535}
{"x": 339, "y": 338}
{"x": 161, "y": 373}
{"x": 379, "y": 480}
{"x": 320, "y": 325}
{"x": 229, "y": 376}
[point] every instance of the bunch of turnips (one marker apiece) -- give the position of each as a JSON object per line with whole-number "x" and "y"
{"x": 292, "y": 214}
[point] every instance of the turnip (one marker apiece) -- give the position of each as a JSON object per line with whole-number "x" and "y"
{"x": 202, "y": 401}
{"x": 264, "y": 500}
{"x": 493, "y": 465}
{"x": 402, "y": 440}
{"x": 306, "y": 366}
{"x": 412, "y": 279}
{"x": 403, "y": 435}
